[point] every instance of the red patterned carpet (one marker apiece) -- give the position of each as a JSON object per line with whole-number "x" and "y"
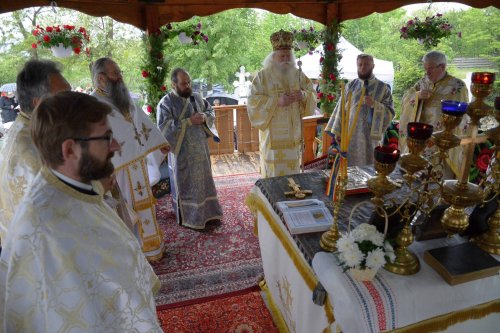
{"x": 223, "y": 259}
{"x": 245, "y": 313}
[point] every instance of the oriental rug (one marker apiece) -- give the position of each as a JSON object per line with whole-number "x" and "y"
{"x": 244, "y": 313}
{"x": 222, "y": 259}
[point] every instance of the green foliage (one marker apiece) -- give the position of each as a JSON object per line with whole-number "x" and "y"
{"x": 329, "y": 86}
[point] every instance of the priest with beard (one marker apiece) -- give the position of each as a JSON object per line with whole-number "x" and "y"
{"x": 142, "y": 150}
{"x": 280, "y": 97}
{"x": 375, "y": 112}
{"x": 69, "y": 263}
{"x": 184, "y": 118}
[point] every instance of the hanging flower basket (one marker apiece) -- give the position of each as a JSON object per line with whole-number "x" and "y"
{"x": 427, "y": 32}
{"x": 307, "y": 39}
{"x": 65, "y": 36}
{"x": 61, "y": 51}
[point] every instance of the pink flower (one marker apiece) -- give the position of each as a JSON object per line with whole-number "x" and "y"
{"x": 149, "y": 108}
{"x": 410, "y": 22}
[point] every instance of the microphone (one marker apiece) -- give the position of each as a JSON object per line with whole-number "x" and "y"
{"x": 193, "y": 103}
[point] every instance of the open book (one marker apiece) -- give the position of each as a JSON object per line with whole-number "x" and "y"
{"x": 303, "y": 216}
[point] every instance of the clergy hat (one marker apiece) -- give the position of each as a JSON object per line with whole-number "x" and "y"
{"x": 282, "y": 40}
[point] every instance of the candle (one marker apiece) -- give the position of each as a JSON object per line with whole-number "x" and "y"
{"x": 419, "y": 131}
{"x": 453, "y": 108}
{"x": 386, "y": 155}
{"x": 483, "y": 77}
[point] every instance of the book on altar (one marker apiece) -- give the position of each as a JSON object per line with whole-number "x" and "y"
{"x": 303, "y": 216}
{"x": 356, "y": 180}
{"x": 462, "y": 263}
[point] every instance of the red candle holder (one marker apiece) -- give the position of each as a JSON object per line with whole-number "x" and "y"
{"x": 386, "y": 155}
{"x": 419, "y": 131}
{"x": 483, "y": 77}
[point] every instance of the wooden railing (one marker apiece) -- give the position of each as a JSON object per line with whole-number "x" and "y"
{"x": 242, "y": 137}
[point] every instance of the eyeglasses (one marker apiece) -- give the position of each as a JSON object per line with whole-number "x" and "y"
{"x": 106, "y": 137}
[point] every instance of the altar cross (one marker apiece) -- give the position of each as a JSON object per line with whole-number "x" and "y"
{"x": 297, "y": 192}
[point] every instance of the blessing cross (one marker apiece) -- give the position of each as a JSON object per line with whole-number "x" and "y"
{"x": 297, "y": 192}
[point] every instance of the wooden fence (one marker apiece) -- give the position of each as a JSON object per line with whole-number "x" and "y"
{"x": 238, "y": 135}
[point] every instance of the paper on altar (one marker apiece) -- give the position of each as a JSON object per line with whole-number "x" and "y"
{"x": 302, "y": 216}
{"x": 393, "y": 301}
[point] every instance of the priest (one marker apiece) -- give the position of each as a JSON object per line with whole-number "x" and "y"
{"x": 19, "y": 159}
{"x": 367, "y": 104}
{"x": 142, "y": 150}
{"x": 280, "y": 97}
{"x": 422, "y": 103}
{"x": 184, "y": 118}
{"x": 69, "y": 263}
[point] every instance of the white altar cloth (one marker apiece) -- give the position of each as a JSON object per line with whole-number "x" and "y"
{"x": 393, "y": 301}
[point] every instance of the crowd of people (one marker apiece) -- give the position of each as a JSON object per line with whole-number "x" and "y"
{"x": 78, "y": 225}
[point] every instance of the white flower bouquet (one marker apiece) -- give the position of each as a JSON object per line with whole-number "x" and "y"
{"x": 364, "y": 249}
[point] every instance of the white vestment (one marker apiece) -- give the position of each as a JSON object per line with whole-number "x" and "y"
{"x": 69, "y": 264}
{"x": 280, "y": 132}
{"x": 19, "y": 164}
{"x": 140, "y": 141}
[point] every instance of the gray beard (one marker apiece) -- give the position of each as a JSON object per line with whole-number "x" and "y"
{"x": 118, "y": 92}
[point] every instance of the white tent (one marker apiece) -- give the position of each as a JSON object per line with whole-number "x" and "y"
{"x": 384, "y": 70}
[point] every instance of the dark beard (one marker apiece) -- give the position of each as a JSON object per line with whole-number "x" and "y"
{"x": 184, "y": 93}
{"x": 119, "y": 94}
{"x": 93, "y": 169}
{"x": 366, "y": 76}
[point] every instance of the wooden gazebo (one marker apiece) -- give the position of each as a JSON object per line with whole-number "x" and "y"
{"x": 150, "y": 14}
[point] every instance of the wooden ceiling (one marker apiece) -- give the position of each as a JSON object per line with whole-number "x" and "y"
{"x": 150, "y": 14}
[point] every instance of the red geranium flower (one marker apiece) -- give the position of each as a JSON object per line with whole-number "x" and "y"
{"x": 34, "y": 46}
{"x": 484, "y": 158}
{"x": 163, "y": 88}
{"x": 330, "y": 97}
{"x": 145, "y": 74}
{"x": 319, "y": 95}
{"x": 149, "y": 108}
{"x": 77, "y": 50}
{"x": 46, "y": 38}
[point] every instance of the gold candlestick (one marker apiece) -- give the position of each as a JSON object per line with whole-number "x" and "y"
{"x": 329, "y": 238}
{"x": 460, "y": 193}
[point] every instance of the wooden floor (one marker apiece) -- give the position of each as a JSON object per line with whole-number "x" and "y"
{"x": 237, "y": 163}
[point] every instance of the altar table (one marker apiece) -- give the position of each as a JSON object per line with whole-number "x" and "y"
{"x": 291, "y": 276}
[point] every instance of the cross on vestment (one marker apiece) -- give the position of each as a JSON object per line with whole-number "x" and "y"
{"x": 297, "y": 192}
